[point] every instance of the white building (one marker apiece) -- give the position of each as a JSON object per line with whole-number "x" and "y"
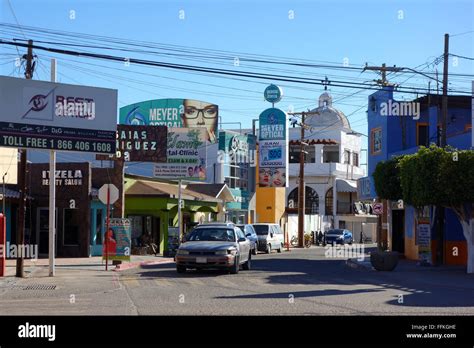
{"x": 331, "y": 169}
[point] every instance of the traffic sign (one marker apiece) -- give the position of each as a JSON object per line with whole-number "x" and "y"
{"x": 114, "y": 193}
{"x": 378, "y": 208}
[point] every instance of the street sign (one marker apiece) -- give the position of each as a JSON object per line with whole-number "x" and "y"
{"x": 114, "y": 193}
{"x": 378, "y": 208}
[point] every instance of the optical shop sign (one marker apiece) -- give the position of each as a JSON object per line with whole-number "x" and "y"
{"x": 186, "y": 155}
{"x": 47, "y": 115}
{"x": 273, "y": 148}
{"x": 177, "y": 113}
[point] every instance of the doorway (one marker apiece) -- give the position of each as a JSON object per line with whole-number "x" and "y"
{"x": 398, "y": 235}
{"x": 42, "y": 231}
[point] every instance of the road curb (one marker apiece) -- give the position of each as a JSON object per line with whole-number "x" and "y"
{"x": 357, "y": 265}
{"x": 130, "y": 265}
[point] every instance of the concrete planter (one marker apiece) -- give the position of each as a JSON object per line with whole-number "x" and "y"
{"x": 384, "y": 260}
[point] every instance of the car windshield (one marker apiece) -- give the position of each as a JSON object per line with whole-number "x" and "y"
{"x": 261, "y": 229}
{"x": 335, "y": 232}
{"x": 212, "y": 234}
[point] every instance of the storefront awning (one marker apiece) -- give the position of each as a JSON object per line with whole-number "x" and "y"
{"x": 346, "y": 186}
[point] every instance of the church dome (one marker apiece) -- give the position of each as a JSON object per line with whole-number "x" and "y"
{"x": 328, "y": 116}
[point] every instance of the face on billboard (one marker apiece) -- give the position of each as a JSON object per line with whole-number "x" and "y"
{"x": 272, "y": 177}
{"x": 200, "y": 114}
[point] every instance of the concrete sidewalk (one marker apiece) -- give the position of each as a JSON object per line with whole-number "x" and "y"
{"x": 83, "y": 263}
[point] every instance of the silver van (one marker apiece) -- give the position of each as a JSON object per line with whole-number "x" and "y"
{"x": 270, "y": 237}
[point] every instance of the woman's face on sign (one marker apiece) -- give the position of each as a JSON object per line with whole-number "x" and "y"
{"x": 200, "y": 114}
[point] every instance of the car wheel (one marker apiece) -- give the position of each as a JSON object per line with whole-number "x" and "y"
{"x": 351, "y": 241}
{"x": 246, "y": 265}
{"x": 235, "y": 268}
{"x": 180, "y": 269}
{"x": 269, "y": 248}
{"x": 280, "y": 248}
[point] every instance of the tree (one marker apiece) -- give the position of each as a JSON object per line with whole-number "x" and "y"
{"x": 387, "y": 179}
{"x": 437, "y": 176}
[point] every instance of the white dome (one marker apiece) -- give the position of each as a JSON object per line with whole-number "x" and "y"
{"x": 328, "y": 116}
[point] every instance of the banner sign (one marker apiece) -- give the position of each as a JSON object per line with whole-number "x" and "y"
{"x": 173, "y": 113}
{"x": 424, "y": 241}
{"x": 186, "y": 155}
{"x": 47, "y": 115}
{"x": 273, "y": 148}
{"x": 118, "y": 240}
{"x": 142, "y": 143}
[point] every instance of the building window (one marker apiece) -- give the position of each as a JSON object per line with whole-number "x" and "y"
{"x": 71, "y": 227}
{"x": 329, "y": 201}
{"x": 376, "y": 140}
{"x": 422, "y": 135}
{"x": 331, "y": 154}
{"x": 355, "y": 159}
{"x": 347, "y": 156}
{"x": 295, "y": 151}
{"x": 311, "y": 201}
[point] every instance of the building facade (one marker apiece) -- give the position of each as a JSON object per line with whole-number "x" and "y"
{"x": 397, "y": 134}
{"x": 332, "y": 167}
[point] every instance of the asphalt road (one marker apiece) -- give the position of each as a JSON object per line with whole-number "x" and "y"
{"x": 299, "y": 282}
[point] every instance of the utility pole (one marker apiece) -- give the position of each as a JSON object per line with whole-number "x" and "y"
{"x": 440, "y": 211}
{"x": 22, "y": 177}
{"x": 301, "y": 183}
{"x": 383, "y": 69}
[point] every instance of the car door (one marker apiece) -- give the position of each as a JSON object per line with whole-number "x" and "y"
{"x": 279, "y": 234}
{"x": 274, "y": 236}
{"x": 244, "y": 247}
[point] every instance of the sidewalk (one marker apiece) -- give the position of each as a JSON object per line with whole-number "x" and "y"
{"x": 83, "y": 263}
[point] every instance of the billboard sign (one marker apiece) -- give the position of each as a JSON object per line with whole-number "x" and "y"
{"x": 142, "y": 143}
{"x": 186, "y": 155}
{"x": 273, "y": 148}
{"x": 174, "y": 113}
{"x": 47, "y": 115}
{"x": 119, "y": 242}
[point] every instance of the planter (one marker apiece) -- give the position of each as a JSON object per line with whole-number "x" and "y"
{"x": 384, "y": 260}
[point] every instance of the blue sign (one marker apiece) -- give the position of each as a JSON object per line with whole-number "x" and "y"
{"x": 273, "y": 94}
{"x": 272, "y": 125}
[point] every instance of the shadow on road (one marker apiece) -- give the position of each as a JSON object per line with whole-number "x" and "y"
{"x": 419, "y": 289}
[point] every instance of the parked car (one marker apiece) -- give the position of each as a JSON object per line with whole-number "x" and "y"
{"x": 214, "y": 245}
{"x": 251, "y": 235}
{"x": 270, "y": 236}
{"x": 338, "y": 236}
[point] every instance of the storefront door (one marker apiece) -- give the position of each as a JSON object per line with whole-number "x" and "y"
{"x": 42, "y": 231}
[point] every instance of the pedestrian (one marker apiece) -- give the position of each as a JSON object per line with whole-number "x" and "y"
{"x": 320, "y": 237}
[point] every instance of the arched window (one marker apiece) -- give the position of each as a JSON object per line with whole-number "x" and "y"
{"x": 311, "y": 200}
{"x": 329, "y": 201}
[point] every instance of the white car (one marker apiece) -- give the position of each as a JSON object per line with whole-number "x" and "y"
{"x": 270, "y": 237}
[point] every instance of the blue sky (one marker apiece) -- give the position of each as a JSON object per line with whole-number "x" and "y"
{"x": 324, "y": 31}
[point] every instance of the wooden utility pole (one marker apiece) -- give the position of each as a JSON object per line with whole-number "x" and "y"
{"x": 383, "y": 69}
{"x": 20, "y": 236}
{"x": 440, "y": 211}
{"x": 301, "y": 186}
{"x": 301, "y": 183}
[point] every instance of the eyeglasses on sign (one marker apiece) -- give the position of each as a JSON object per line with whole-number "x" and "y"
{"x": 208, "y": 112}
